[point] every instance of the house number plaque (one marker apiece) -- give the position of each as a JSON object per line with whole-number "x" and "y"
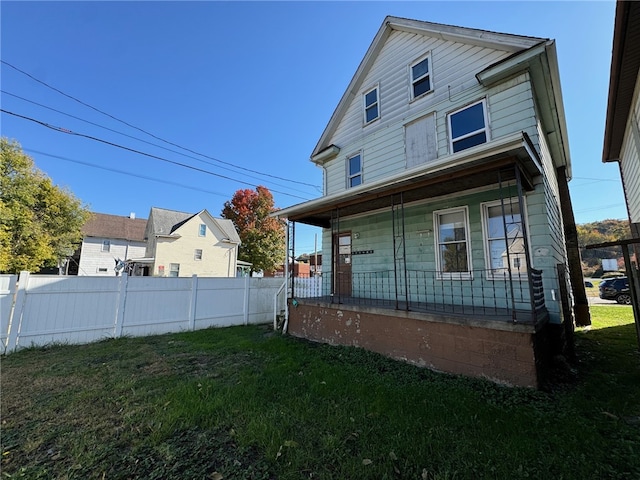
{"x": 361, "y": 252}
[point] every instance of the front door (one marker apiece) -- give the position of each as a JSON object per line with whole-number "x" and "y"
{"x": 342, "y": 264}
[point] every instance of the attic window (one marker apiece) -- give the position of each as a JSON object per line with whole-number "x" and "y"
{"x": 371, "y": 105}
{"x": 203, "y": 230}
{"x": 420, "y": 77}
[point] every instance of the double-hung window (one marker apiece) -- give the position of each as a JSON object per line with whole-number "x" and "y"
{"x": 504, "y": 238}
{"x": 468, "y": 127}
{"x": 371, "y": 100}
{"x": 202, "y": 231}
{"x": 420, "y": 77}
{"x": 174, "y": 269}
{"x": 106, "y": 245}
{"x": 354, "y": 171}
{"x": 453, "y": 250}
{"x": 197, "y": 254}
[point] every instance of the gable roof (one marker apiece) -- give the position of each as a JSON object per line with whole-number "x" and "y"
{"x": 625, "y": 65}
{"x": 502, "y": 41}
{"x": 114, "y": 226}
{"x": 165, "y": 222}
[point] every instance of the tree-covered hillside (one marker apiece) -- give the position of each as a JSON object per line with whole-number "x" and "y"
{"x": 602, "y": 231}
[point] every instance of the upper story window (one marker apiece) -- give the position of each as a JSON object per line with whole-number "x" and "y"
{"x": 468, "y": 127}
{"x": 354, "y": 171}
{"x": 197, "y": 254}
{"x": 371, "y": 105}
{"x": 421, "y": 77}
{"x": 106, "y": 245}
{"x": 202, "y": 230}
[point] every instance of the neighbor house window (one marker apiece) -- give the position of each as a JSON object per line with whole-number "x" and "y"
{"x": 174, "y": 269}
{"x": 371, "y": 105}
{"x": 503, "y": 238}
{"x": 468, "y": 127}
{"x": 203, "y": 230}
{"x": 197, "y": 255}
{"x": 354, "y": 171}
{"x": 106, "y": 245}
{"x": 420, "y": 77}
{"x": 453, "y": 256}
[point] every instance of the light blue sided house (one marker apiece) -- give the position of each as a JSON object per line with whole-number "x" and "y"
{"x": 445, "y": 165}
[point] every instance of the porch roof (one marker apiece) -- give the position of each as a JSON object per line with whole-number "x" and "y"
{"x": 472, "y": 168}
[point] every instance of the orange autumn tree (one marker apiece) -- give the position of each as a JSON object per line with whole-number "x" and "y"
{"x": 262, "y": 236}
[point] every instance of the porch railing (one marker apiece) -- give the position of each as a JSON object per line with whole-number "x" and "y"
{"x": 517, "y": 297}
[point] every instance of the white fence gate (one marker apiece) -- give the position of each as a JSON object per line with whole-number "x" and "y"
{"x": 67, "y": 309}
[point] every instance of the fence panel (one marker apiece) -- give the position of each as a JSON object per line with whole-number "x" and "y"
{"x": 156, "y": 305}
{"x": 220, "y": 302}
{"x": 7, "y": 292}
{"x": 261, "y": 294}
{"x": 67, "y": 309}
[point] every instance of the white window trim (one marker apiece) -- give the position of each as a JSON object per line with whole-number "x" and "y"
{"x": 486, "y": 128}
{"x": 484, "y": 206}
{"x": 376, "y": 87}
{"x": 348, "y": 174}
{"x": 414, "y": 80}
{"x": 195, "y": 254}
{"x": 440, "y": 275}
{"x": 171, "y": 270}
{"x": 107, "y": 244}
{"x": 200, "y": 234}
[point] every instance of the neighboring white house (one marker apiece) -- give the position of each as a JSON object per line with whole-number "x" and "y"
{"x": 622, "y": 130}
{"x": 183, "y": 244}
{"x": 108, "y": 238}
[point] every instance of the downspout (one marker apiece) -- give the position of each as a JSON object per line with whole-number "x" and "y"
{"x": 581, "y": 306}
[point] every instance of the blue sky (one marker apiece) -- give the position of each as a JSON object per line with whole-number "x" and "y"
{"x": 239, "y": 93}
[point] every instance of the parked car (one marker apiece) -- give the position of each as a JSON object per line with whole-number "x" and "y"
{"x": 616, "y": 289}
{"x": 588, "y": 284}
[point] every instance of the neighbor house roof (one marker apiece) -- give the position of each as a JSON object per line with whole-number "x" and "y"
{"x": 114, "y": 226}
{"x": 625, "y": 64}
{"x": 165, "y": 222}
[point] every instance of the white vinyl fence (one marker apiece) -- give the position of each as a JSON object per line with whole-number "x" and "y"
{"x": 68, "y": 309}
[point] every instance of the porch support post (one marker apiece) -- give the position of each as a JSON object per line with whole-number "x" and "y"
{"x": 506, "y": 241}
{"x": 581, "y": 306}
{"x": 525, "y": 241}
{"x": 290, "y": 272}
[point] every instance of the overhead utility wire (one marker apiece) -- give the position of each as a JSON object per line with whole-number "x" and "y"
{"x": 123, "y": 172}
{"x": 132, "y": 137}
{"x": 70, "y": 132}
{"x": 148, "y": 133}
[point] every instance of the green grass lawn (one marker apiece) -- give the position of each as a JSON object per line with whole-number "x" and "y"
{"x": 245, "y": 403}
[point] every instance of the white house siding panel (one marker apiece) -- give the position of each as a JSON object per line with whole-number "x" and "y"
{"x": 93, "y": 260}
{"x": 453, "y": 67}
{"x": 630, "y": 158}
{"x": 218, "y": 257}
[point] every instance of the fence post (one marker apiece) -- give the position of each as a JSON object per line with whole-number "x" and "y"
{"x": 16, "y": 317}
{"x": 194, "y": 299}
{"x": 246, "y": 300}
{"x": 122, "y": 297}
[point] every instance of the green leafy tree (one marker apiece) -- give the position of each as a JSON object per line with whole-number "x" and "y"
{"x": 262, "y": 236}
{"x": 40, "y": 223}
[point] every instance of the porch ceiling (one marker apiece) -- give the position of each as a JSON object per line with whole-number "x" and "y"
{"x": 459, "y": 176}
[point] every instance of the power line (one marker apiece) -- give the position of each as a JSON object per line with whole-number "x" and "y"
{"x": 106, "y": 142}
{"x": 144, "y": 131}
{"x": 123, "y": 172}
{"x": 139, "y": 139}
